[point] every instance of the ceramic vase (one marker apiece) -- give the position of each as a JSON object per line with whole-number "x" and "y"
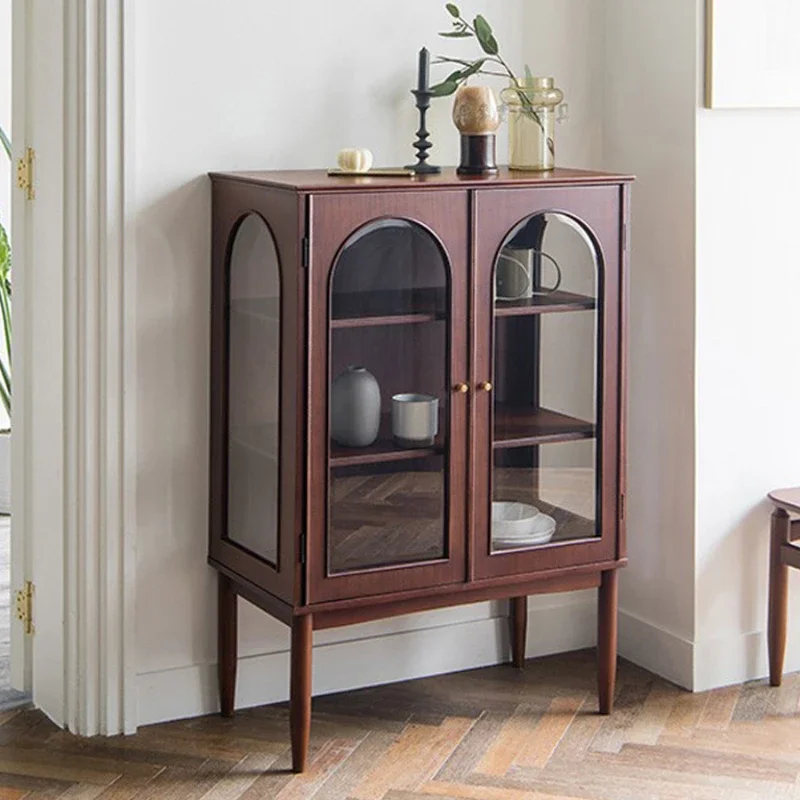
{"x": 355, "y": 408}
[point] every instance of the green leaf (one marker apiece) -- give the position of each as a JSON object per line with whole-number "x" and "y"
{"x": 475, "y": 67}
{"x": 6, "y": 142}
{"x": 453, "y": 9}
{"x": 444, "y": 88}
{"x": 456, "y": 34}
{"x": 528, "y": 76}
{"x": 5, "y": 255}
{"x": 482, "y": 27}
{"x": 483, "y": 30}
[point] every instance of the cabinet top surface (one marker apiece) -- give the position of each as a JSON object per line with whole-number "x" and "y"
{"x": 320, "y": 181}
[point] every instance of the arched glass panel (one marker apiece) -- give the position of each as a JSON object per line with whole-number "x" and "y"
{"x": 545, "y": 436}
{"x": 388, "y": 404}
{"x": 254, "y": 389}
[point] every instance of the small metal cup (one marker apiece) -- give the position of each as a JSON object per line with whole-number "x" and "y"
{"x": 415, "y": 419}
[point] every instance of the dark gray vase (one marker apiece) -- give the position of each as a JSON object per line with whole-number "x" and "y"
{"x": 355, "y": 408}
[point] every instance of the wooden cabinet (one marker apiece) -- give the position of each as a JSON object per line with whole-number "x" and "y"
{"x": 500, "y": 302}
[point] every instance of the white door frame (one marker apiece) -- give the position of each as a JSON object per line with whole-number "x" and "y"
{"x": 74, "y": 412}
{"x": 21, "y": 655}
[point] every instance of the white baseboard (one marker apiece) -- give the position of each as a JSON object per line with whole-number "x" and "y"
{"x": 554, "y": 625}
{"x": 727, "y": 660}
{"x": 656, "y": 649}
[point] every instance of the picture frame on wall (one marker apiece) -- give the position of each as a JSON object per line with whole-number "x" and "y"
{"x": 752, "y": 57}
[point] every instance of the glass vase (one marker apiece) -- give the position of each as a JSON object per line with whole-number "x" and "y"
{"x": 531, "y": 110}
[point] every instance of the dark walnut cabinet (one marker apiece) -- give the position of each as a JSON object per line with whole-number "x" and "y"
{"x": 504, "y": 299}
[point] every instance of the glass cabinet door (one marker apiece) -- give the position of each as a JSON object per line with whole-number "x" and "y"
{"x": 547, "y": 379}
{"x": 389, "y": 297}
{"x": 388, "y": 402}
{"x": 545, "y": 436}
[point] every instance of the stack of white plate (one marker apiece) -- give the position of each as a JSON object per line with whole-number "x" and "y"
{"x": 520, "y": 525}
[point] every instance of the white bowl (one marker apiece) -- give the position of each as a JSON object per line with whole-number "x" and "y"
{"x": 543, "y": 529}
{"x": 513, "y": 520}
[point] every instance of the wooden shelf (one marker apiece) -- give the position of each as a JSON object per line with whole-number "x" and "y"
{"x": 544, "y": 304}
{"x": 525, "y": 426}
{"x": 395, "y": 307}
{"x": 383, "y": 450}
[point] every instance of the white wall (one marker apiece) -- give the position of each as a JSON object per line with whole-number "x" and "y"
{"x": 748, "y": 394}
{"x": 565, "y": 39}
{"x": 713, "y": 422}
{"x": 650, "y": 79}
{"x": 269, "y": 85}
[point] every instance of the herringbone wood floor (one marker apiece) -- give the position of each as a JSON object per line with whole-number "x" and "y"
{"x": 489, "y": 734}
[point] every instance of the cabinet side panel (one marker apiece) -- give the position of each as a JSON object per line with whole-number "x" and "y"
{"x": 624, "y": 302}
{"x": 282, "y": 213}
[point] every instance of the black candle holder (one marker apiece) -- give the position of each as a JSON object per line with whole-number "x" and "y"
{"x": 422, "y": 145}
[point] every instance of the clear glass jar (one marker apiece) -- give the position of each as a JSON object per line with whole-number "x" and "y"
{"x": 531, "y": 108}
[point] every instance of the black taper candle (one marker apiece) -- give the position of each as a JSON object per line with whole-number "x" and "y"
{"x": 424, "y": 73}
{"x": 423, "y": 96}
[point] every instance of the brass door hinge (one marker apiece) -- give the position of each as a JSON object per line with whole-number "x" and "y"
{"x": 25, "y": 173}
{"x": 25, "y": 607}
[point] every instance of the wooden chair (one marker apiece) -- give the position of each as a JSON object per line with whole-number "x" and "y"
{"x": 783, "y": 553}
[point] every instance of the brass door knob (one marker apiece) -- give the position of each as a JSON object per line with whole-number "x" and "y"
{"x": 485, "y": 386}
{"x": 461, "y": 388}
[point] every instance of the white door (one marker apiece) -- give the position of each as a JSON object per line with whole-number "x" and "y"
{"x": 38, "y": 482}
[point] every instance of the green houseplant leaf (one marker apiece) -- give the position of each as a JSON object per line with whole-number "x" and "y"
{"x": 453, "y": 9}
{"x": 483, "y": 30}
{"x": 5, "y": 254}
{"x": 5, "y": 313}
{"x": 6, "y": 142}
{"x": 444, "y": 88}
{"x": 5, "y": 302}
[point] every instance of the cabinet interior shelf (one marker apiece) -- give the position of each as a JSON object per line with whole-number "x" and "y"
{"x": 384, "y": 449}
{"x": 523, "y": 426}
{"x": 388, "y": 307}
{"x": 544, "y": 303}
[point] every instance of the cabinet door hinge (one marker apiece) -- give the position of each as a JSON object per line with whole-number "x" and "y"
{"x": 622, "y": 506}
{"x": 24, "y": 603}
{"x": 625, "y": 237}
{"x": 25, "y": 173}
{"x": 303, "y": 548}
{"x": 306, "y": 255}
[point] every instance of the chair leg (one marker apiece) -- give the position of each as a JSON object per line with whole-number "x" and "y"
{"x": 778, "y": 596}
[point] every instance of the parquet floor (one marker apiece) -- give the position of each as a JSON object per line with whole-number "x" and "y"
{"x": 489, "y": 734}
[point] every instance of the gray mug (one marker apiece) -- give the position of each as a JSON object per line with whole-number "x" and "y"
{"x": 415, "y": 419}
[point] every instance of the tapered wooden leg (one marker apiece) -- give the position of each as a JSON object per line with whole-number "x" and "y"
{"x": 300, "y": 699}
{"x": 226, "y": 644}
{"x": 778, "y": 596}
{"x": 518, "y": 623}
{"x": 607, "y": 640}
